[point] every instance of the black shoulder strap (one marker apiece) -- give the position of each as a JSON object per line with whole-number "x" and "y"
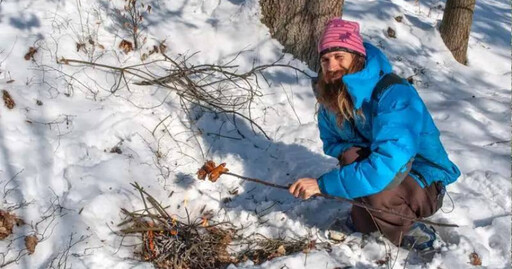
{"x": 384, "y": 83}
{"x": 314, "y": 86}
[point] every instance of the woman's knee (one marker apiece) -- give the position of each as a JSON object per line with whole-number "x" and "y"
{"x": 385, "y": 199}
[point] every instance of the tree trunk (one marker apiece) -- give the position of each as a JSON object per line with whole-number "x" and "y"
{"x": 298, "y": 24}
{"x": 456, "y": 26}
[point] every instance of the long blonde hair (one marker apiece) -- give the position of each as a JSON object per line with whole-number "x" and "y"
{"x": 335, "y": 97}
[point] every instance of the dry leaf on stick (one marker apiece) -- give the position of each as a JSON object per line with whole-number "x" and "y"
{"x": 212, "y": 171}
{"x": 217, "y": 171}
{"x": 205, "y": 170}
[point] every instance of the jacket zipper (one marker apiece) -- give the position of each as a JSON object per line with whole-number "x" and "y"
{"x": 420, "y": 177}
{"x": 357, "y": 132}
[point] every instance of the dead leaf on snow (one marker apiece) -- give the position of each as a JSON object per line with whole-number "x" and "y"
{"x": 391, "y": 33}
{"x": 9, "y": 103}
{"x": 126, "y": 46}
{"x": 30, "y": 53}
{"x": 7, "y": 222}
{"x": 80, "y": 46}
{"x": 31, "y": 243}
{"x": 474, "y": 259}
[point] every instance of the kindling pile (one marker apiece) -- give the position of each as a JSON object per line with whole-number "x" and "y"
{"x": 169, "y": 242}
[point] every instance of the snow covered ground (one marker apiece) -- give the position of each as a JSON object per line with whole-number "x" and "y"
{"x": 58, "y": 174}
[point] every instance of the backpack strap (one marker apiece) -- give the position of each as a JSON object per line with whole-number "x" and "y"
{"x": 314, "y": 86}
{"x": 384, "y": 83}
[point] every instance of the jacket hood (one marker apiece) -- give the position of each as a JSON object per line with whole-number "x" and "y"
{"x": 360, "y": 85}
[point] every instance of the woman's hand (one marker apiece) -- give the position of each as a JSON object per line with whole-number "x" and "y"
{"x": 353, "y": 154}
{"x": 304, "y": 188}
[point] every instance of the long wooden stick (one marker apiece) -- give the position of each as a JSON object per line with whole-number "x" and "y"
{"x": 355, "y": 203}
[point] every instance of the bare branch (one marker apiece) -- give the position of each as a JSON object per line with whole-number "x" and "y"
{"x": 219, "y": 88}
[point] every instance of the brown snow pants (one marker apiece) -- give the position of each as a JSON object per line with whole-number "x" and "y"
{"x": 408, "y": 198}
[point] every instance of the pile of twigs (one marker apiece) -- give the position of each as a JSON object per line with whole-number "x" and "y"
{"x": 171, "y": 243}
{"x": 168, "y": 242}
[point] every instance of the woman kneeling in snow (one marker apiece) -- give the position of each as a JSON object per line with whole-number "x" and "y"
{"x": 388, "y": 146}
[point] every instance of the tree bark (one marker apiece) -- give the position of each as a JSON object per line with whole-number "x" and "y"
{"x": 298, "y": 24}
{"x": 456, "y": 26}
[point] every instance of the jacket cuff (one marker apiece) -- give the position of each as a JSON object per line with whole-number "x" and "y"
{"x": 330, "y": 183}
{"x": 338, "y": 150}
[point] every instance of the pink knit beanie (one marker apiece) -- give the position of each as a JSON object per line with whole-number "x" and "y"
{"x": 342, "y": 35}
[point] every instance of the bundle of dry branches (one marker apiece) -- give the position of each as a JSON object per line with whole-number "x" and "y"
{"x": 172, "y": 243}
{"x": 217, "y": 87}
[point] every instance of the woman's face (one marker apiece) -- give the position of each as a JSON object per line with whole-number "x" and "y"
{"x": 335, "y": 64}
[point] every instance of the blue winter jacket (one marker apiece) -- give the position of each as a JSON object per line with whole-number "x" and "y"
{"x": 396, "y": 127}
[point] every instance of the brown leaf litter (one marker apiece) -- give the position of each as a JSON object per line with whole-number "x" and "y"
{"x": 31, "y": 243}
{"x": 7, "y": 222}
{"x": 8, "y": 101}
